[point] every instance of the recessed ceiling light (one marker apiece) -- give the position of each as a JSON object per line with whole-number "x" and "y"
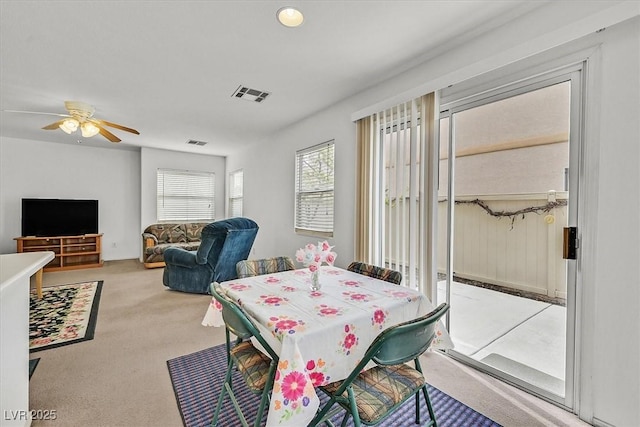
{"x": 290, "y": 16}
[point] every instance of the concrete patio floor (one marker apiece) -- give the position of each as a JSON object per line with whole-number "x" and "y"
{"x": 519, "y": 336}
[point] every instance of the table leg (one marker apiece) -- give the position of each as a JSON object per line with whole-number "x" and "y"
{"x": 39, "y": 283}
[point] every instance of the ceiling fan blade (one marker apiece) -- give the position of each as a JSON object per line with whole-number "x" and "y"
{"x": 36, "y": 112}
{"x": 115, "y": 125}
{"x": 111, "y": 137}
{"x": 54, "y": 125}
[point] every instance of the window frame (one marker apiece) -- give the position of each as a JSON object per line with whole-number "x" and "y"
{"x": 314, "y": 228}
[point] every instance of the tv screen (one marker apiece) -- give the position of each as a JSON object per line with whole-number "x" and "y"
{"x": 59, "y": 217}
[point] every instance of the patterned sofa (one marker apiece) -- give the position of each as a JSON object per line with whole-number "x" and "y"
{"x": 157, "y": 237}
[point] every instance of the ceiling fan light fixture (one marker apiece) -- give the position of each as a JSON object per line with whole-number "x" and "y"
{"x": 89, "y": 129}
{"x": 69, "y": 125}
{"x": 79, "y": 116}
{"x": 290, "y": 16}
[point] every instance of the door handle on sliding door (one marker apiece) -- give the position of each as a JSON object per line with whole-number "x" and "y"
{"x": 570, "y": 243}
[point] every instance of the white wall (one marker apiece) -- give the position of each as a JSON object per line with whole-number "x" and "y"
{"x": 123, "y": 182}
{"x": 269, "y": 188}
{"x": 609, "y": 332}
{"x": 613, "y": 282}
{"x": 151, "y": 160}
{"x": 42, "y": 169}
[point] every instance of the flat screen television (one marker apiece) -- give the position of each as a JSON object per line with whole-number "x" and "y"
{"x": 59, "y": 217}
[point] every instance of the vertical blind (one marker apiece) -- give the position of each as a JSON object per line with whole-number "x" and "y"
{"x": 399, "y": 146}
{"x": 185, "y": 195}
{"x": 314, "y": 189}
{"x": 396, "y": 183}
{"x": 235, "y": 193}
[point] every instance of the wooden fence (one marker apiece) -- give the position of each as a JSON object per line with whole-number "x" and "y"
{"x": 520, "y": 251}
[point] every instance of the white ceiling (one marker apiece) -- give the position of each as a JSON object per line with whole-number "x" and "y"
{"x": 169, "y": 68}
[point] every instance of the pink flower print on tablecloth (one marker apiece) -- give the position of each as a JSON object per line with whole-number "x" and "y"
{"x": 315, "y": 294}
{"x": 272, "y": 300}
{"x": 316, "y": 372}
{"x": 239, "y": 287}
{"x": 295, "y": 394}
{"x": 437, "y": 339}
{"x": 272, "y": 280}
{"x": 333, "y": 272}
{"x": 349, "y": 341}
{"x": 283, "y": 325}
{"x": 352, "y": 283}
{"x": 356, "y": 296}
{"x": 400, "y": 294}
{"x": 286, "y": 324}
{"x": 327, "y": 311}
{"x": 379, "y": 317}
{"x": 317, "y": 378}
{"x": 289, "y": 289}
{"x": 293, "y": 386}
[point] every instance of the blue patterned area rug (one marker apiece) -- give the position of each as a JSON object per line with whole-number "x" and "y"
{"x": 198, "y": 377}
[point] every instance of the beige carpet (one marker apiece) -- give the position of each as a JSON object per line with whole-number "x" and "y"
{"x": 120, "y": 378}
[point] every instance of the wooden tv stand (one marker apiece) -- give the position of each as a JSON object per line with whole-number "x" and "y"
{"x": 71, "y": 252}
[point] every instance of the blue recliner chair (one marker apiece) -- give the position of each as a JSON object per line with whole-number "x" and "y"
{"x": 222, "y": 245}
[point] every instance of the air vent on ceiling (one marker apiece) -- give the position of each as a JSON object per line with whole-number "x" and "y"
{"x": 194, "y": 142}
{"x": 249, "y": 94}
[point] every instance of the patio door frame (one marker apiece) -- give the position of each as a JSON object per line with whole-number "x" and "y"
{"x": 485, "y": 91}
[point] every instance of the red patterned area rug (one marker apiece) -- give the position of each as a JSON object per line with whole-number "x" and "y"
{"x": 66, "y": 314}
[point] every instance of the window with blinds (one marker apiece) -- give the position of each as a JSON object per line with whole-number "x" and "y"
{"x": 185, "y": 195}
{"x": 314, "y": 190}
{"x": 235, "y": 193}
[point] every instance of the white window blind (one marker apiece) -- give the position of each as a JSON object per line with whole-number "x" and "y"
{"x": 185, "y": 195}
{"x": 235, "y": 193}
{"x": 314, "y": 190}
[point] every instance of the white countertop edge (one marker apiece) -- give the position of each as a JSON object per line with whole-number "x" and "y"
{"x": 16, "y": 266}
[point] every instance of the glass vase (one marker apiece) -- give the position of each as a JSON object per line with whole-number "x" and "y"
{"x": 315, "y": 281}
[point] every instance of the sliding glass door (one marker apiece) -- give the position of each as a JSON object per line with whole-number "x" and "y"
{"x": 508, "y": 176}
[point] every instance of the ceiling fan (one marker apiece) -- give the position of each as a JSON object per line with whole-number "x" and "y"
{"x": 81, "y": 116}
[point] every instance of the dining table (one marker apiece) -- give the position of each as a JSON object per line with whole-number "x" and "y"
{"x": 319, "y": 335}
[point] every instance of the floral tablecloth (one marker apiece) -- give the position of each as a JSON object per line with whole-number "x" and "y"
{"x": 319, "y": 335}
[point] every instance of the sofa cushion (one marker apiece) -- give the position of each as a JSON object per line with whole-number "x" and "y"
{"x": 159, "y": 249}
{"x": 168, "y": 233}
{"x": 178, "y": 234}
{"x": 194, "y": 231}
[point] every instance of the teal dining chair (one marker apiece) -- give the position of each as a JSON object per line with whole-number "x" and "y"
{"x": 369, "y": 396}
{"x": 381, "y": 273}
{"x": 258, "y": 267}
{"x": 257, "y": 369}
